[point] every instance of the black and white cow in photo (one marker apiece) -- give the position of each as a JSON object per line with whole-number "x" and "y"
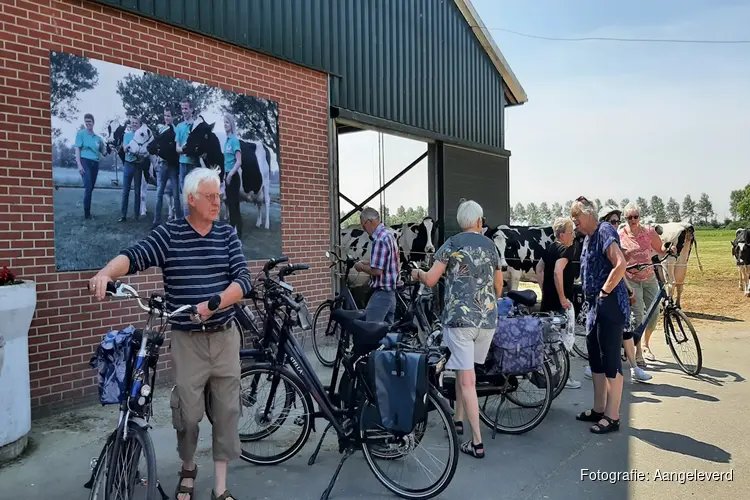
{"x": 164, "y": 147}
{"x": 681, "y": 236}
{"x": 115, "y": 138}
{"x": 255, "y": 172}
{"x": 741, "y": 254}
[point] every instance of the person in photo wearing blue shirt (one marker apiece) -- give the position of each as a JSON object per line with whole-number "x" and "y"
{"x": 182, "y": 131}
{"x": 232, "y": 164}
{"x": 131, "y": 173}
{"x": 89, "y": 148}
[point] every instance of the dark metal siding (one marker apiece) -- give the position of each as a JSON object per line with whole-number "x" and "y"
{"x": 414, "y": 62}
{"x": 485, "y": 178}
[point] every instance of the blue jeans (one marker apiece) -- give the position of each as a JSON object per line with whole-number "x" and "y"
{"x": 131, "y": 172}
{"x": 381, "y": 306}
{"x": 171, "y": 174}
{"x": 185, "y": 168}
{"x": 90, "y": 173}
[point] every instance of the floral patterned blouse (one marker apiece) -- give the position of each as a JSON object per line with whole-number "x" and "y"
{"x": 471, "y": 260}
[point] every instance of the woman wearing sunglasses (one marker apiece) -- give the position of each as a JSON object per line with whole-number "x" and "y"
{"x": 639, "y": 242}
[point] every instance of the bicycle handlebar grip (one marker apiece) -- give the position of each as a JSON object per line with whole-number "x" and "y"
{"x": 112, "y": 286}
{"x": 214, "y": 302}
{"x": 300, "y": 267}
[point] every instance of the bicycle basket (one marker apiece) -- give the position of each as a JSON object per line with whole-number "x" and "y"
{"x": 110, "y": 361}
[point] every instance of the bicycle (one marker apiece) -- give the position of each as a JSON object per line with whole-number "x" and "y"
{"x": 351, "y": 415}
{"x": 673, "y": 315}
{"x": 131, "y": 433}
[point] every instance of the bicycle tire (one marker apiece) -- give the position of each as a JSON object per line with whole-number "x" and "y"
{"x": 580, "y": 333}
{"x": 546, "y": 405}
{"x": 439, "y": 406}
{"x": 139, "y": 434}
{"x": 290, "y": 380}
{"x": 561, "y": 354}
{"x": 671, "y": 339}
{"x": 323, "y": 361}
{"x": 98, "y": 475}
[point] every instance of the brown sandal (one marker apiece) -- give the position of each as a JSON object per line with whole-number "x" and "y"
{"x": 182, "y": 489}
{"x": 224, "y": 496}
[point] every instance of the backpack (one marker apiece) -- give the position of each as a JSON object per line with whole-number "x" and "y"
{"x": 518, "y": 345}
{"x": 400, "y": 382}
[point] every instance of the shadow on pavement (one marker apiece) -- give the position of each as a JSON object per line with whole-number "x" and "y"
{"x": 667, "y": 391}
{"x": 712, "y": 317}
{"x": 684, "y": 445}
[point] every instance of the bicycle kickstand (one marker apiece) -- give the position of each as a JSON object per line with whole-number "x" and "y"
{"x": 164, "y": 496}
{"x": 348, "y": 453}
{"x": 320, "y": 443}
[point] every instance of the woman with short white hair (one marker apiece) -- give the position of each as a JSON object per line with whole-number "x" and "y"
{"x": 474, "y": 281}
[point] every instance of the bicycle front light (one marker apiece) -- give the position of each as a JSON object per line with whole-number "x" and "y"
{"x": 145, "y": 390}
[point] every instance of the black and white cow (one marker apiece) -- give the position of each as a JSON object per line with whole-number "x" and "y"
{"x": 255, "y": 175}
{"x": 679, "y": 235}
{"x": 741, "y": 254}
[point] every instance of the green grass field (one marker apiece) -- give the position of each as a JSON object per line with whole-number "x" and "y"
{"x": 89, "y": 244}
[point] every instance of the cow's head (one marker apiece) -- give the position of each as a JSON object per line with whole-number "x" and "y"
{"x": 418, "y": 240}
{"x": 142, "y": 137}
{"x": 163, "y": 146}
{"x": 115, "y": 137}
{"x": 199, "y": 140}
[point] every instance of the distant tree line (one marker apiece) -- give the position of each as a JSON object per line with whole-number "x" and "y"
{"x": 402, "y": 215}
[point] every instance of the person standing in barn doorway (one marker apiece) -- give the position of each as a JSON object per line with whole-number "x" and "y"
{"x": 383, "y": 267}
{"x": 182, "y": 131}
{"x": 89, "y": 148}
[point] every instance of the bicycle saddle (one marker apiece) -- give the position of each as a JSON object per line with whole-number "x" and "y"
{"x": 523, "y": 297}
{"x": 371, "y": 330}
{"x": 345, "y": 316}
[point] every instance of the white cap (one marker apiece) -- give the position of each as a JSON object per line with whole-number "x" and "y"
{"x": 608, "y": 210}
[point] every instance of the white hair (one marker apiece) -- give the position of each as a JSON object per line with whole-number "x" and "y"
{"x": 369, "y": 213}
{"x": 469, "y": 212}
{"x": 631, "y": 207}
{"x": 560, "y": 225}
{"x": 585, "y": 206}
{"x": 195, "y": 178}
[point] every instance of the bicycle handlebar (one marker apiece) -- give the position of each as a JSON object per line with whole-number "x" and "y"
{"x": 641, "y": 267}
{"x": 123, "y": 290}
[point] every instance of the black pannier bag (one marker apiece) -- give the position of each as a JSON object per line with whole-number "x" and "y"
{"x": 400, "y": 383}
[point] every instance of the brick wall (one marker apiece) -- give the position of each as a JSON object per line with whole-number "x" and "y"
{"x": 67, "y": 323}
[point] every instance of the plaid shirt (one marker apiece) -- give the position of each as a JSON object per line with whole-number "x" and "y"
{"x": 384, "y": 256}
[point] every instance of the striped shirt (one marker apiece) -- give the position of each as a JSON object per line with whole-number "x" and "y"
{"x": 194, "y": 267}
{"x": 384, "y": 256}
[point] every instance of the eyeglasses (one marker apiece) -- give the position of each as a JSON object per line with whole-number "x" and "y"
{"x": 614, "y": 222}
{"x": 633, "y": 217}
{"x": 212, "y": 197}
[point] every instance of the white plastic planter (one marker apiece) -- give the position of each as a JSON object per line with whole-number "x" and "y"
{"x": 17, "y": 305}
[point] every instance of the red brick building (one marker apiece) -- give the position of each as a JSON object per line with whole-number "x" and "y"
{"x": 68, "y": 324}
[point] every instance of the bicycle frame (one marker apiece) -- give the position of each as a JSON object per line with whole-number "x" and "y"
{"x": 654, "y": 306}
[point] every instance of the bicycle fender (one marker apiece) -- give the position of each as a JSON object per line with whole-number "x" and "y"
{"x": 140, "y": 422}
{"x": 292, "y": 376}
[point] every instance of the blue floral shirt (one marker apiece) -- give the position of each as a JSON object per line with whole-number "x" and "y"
{"x": 595, "y": 268}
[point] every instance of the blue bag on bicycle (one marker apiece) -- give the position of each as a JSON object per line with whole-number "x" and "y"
{"x": 504, "y": 306}
{"x": 400, "y": 382}
{"x": 518, "y": 345}
{"x": 110, "y": 362}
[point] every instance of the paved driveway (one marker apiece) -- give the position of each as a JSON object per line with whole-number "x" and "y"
{"x": 676, "y": 424}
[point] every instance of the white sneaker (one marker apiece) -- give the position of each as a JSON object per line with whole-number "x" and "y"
{"x": 572, "y": 384}
{"x": 639, "y": 375}
{"x": 587, "y": 373}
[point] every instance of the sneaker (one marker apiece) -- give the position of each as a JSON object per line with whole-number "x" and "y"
{"x": 639, "y": 375}
{"x": 587, "y": 373}
{"x": 572, "y": 384}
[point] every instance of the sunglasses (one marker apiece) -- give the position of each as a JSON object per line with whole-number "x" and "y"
{"x": 614, "y": 222}
{"x": 633, "y": 217}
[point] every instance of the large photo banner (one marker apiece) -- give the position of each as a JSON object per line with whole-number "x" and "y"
{"x": 117, "y": 170}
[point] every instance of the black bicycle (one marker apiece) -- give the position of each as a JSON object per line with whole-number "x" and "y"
{"x": 277, "y": 395}
{"x": 117, "y": 472}
{"x": 678, "y": 330}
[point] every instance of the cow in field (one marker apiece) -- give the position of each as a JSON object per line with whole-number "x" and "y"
{"x": 681, "y": 236}
{"x": 255, "y": 174}
{"x": 741, "y": 254}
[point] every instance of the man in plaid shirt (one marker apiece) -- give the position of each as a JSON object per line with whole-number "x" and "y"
{"x": 383, "y": 267}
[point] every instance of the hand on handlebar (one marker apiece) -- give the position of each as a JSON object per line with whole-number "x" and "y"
{"x": 98, "y": 285}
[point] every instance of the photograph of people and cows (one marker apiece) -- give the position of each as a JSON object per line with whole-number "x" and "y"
{"x": 117, "y": 171}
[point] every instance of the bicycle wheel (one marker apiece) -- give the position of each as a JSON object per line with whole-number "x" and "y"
{"x": 678, "y": 339}
{"x": 560, "y": 363}
{"x": 580, "y": 347}
{"x": 288, "y": 406}
{"x": 537, "y": 408}
{"x": 99, "y": 472}
{"x": 326, "y": 340}
{"x": 124, "y": 472}
{"x": 378, "y": 439}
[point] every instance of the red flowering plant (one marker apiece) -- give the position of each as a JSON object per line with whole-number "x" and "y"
{"x": 7, "y": 278}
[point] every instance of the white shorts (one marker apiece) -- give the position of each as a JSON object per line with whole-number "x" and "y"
{"x": 468, "y": 346}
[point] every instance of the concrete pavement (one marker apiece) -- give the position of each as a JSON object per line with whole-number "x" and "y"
{"x": 676, "y": 424}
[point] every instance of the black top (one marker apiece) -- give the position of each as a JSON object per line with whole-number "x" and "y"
{"x": 556, "y": 251}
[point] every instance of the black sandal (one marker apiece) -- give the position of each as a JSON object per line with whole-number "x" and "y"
{"x": 224, "y": 496}
{"x": 612, "y": 426}
{"x": 589, "y": 416}
{"x": 475, "y": 450}
{"x": 182, "y": 489}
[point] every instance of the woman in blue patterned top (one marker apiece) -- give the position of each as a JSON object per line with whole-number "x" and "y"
{"x": 602, "y": 269}
{"x": 89, "y": 148}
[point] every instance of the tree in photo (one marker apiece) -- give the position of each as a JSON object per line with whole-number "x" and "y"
{"x": 257, "y": 117}
{"x": 704, "y": 209}
{"x": 657, "y": 209}
{"x": 688, "y": 209}
{"x": 533, "y": 215}
{"x": 545, "y": 216}
{"x": 643, "y": 205}
{"x": 557, "y": 210}
{"x": 673, "y": 210}
{"x": 69, "y": 75}
{"x": 520, "y": 213}
{"x": 148, "y": 94}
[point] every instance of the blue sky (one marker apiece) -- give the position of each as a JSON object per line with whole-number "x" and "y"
{"x": 610, "y": 119}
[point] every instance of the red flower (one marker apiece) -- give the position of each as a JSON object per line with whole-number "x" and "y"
{"x": 7, "y": 277}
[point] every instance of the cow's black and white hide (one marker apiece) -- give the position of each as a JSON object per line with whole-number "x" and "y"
{"x": 417, "y": 240}
{"x": 520, "y": 249}
{"x": 681, "y": 236}
{"x": 255, "y": 176}
{"x": 203, "y": 145}
{"x": 741, "y": 254}
{"x": 115, "y": 138}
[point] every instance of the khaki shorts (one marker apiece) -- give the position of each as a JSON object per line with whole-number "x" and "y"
{"x": 468, "y": 346}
